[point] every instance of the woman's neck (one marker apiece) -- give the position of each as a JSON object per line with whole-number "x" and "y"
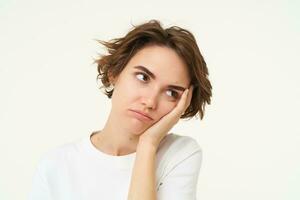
{"x": 115, "y": 140}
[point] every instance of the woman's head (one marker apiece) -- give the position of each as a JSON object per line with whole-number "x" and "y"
{"x": 174, "y": 43}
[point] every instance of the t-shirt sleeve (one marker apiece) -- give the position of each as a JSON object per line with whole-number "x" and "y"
{"x": 181, "y": 182}
{"x": 39, "y": 188}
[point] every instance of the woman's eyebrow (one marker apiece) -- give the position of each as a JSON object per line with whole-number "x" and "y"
{"x": 176, "y": 87}
{"x": 147, "y": 71}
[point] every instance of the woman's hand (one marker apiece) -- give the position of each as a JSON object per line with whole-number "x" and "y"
{"x": 155, "y": 133}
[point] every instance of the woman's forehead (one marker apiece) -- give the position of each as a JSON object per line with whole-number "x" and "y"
{"x": 160, "y": 62}
{"x": 159, "y": 55}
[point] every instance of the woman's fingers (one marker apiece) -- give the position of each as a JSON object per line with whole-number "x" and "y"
{"x": 183, "y": 103}
{"x": 185, "y": 99}
{"x": 189, "y": 97}
{"x": 158, "y": 130}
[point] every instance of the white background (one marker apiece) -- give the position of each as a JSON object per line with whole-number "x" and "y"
{"x": 250, "y": 132}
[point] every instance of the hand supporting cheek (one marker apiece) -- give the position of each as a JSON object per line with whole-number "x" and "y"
{"x": 155, "y": 133}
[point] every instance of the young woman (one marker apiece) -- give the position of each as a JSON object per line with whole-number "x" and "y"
{"x": 154, "y": 77}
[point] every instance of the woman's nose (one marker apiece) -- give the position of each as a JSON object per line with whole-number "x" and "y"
{"x": 150, "y": 100}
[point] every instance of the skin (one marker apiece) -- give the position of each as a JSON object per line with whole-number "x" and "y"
{"x": 134, "y": 89}
{"x": 142, "y": 185}
{"x": 124, "y": 133}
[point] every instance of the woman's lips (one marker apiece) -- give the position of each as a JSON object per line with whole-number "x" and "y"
{"x": 140, "y": 115}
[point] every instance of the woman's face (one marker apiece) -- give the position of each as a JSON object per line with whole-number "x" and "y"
{"x": 152, "y": 83}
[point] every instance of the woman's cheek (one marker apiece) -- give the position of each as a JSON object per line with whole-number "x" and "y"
{"x": 168, "y": 107}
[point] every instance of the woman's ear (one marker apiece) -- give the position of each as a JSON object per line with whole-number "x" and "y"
{"x": 111, "y": 79}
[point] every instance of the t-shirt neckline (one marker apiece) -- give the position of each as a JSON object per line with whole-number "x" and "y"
{"x": 103, "y": 154}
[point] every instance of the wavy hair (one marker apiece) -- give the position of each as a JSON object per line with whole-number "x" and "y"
{"x": 182, "y": 41}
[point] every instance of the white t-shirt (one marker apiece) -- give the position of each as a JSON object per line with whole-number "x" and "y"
{"x": 79, "y": 171}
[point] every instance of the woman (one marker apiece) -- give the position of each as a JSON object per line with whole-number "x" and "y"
{"x": 154, "y": 77}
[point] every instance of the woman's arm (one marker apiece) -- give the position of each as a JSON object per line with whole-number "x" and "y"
{"x": 142, "y": 184}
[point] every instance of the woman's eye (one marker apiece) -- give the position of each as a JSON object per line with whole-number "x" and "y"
{"x": 173, "y": 94}
{"x": 142, "y": 77}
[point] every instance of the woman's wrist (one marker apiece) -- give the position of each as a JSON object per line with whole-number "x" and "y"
{"x": 145, "y": 145}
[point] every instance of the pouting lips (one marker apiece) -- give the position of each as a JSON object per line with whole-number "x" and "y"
{"x": 140, "y": 115}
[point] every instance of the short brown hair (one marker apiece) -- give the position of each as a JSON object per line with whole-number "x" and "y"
{"x": 121, "y": 50}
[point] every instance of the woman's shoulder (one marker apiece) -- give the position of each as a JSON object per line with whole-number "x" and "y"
{"x": 59, "y": 153}
{"x": 175, "y": 148}
{"x": 179, "y": 143}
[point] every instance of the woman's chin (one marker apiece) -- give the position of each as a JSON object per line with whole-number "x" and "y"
{"x": 136, "y": 125}
{"x": 137, "y": 128}
{"x": 137, "y": 131}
